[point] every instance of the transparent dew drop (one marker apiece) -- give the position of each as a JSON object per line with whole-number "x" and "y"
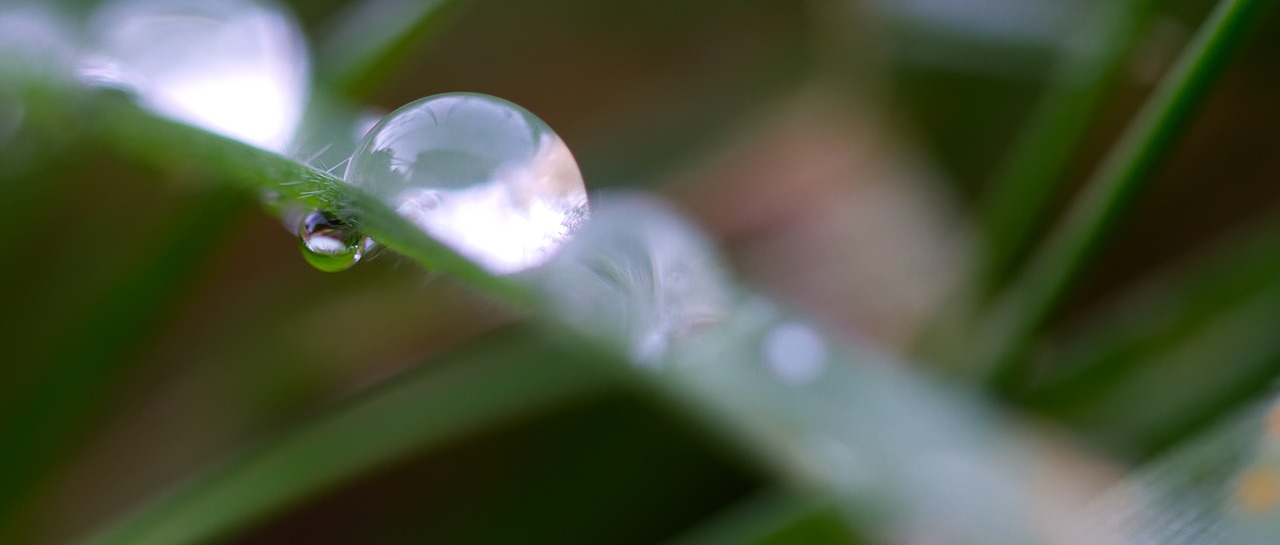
{"x": 236, "y": 67}
{"x": 329, "y": 244}
{"x": 478, "y": 173}
{"x": 639, "y": 274}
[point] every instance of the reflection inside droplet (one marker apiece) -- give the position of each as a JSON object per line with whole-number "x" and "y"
{"x": 795, "y": 353}
{"x": 480, "y": 174}
{"x": 639, "y": 273}
{"x": 238, "y": 68}
{"x": 330, "y": 245}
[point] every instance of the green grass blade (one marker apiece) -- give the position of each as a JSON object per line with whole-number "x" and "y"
{"x": 1033, "y": 172}
{"x": 773, "y": 518}
{"x": 473, "y": 390}
{"x": 1168, "y": 309}
{"x": 1179, "y": 498}
{"x": 367, "y": 41}
{"x": 69, "y": 387}
{"x": 1191, "y": 347}
{"x": 172, "y": 144}
{"x": 1027, "y": 304}
{"x": 1165, "y": 396}
{"x": 805, "y": 434}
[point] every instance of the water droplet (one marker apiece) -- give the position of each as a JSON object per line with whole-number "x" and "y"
{"x": 480, "y": 174}
{"x": 238, "y": 68}
{"x": 639, "y": 274}
{"x": 795, "y": 353}
{"x": 329, "y": 244}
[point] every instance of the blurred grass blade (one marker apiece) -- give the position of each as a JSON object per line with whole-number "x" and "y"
{"x": 1029, "y": 178}
{"x": 1252, "y": 515}
{"x": 1165, "y": 311}
{"x": 1160, "y": 366}
{"x": 368, "y": 40}
{"x": 1024, "y": 308}
{"x": 948, "y": 461}
{"x": 773, "y": 518}
{"x": 487, "y": 385}
{"x": 1164, "y": 397}
{"x": 92, "y": 356}
{"x": 1179, "y": 498}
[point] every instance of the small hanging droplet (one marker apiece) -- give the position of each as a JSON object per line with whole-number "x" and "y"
{"x": 480, "y": 174}
{"x": 329, "y": 244}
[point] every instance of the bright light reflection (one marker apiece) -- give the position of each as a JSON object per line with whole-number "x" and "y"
{"x": 508, "y": 224}
{"x": 238, "y": 68}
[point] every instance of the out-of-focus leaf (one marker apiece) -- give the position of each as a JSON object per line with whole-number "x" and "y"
{"x": 64, "y": 393}
{"x": 475, "y": 389}
{"x": 1016, "y": 198}
{"x": 772, "y": 518}
{"x": 1178, "y": 355}
{"x": 1181, "y": 498}
{"x": 366, "y": 41}
{"x": 1251, "y": 510}
{"x": 1022, "y": 311}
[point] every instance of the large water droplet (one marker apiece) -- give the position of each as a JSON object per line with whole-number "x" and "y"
{"x": 237, "y": 67}
{"x": 638, "y": 273}
{"x": 329, "y": 244}
{"x": 480, "y": 174}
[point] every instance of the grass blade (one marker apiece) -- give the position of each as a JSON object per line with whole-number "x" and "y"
{"x": 825, "y": 437}
{"x": 173, "y": 144}
{"x": 1167, "y": 310}
{"x": 369, "y": 39}
{"x": 1165, "y": 396}
{"x": 69, "y": 387}
{"x": 1027, "y": 304}
{"x": 477, "y": 389}
{"x": 1159, "y": 367}
{"x": 772, "y": 518}
{"x": 1032, "y": 173}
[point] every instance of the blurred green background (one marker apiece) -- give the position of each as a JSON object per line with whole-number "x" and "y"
{"x": 841, "y": 153}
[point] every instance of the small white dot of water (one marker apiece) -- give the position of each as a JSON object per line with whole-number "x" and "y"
{"x": 795, "y": 353}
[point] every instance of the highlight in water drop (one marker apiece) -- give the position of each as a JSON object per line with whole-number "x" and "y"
{"x": 329, "y": 244}
{"x": 235, "y": 67}
{"x": 480, "y": 174}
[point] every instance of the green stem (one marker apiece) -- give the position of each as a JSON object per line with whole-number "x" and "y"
{"x": 144, "y": 135}
{"x": 484, "y": 387}
{"x": 51, "y": 412}
{"x": 772, "y": 517}
{"x": 370, "y": 38}
{"x": 1170, "y": 308}
{"x": 1026, "y": 306}
{"x": 1032, "y": 175}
